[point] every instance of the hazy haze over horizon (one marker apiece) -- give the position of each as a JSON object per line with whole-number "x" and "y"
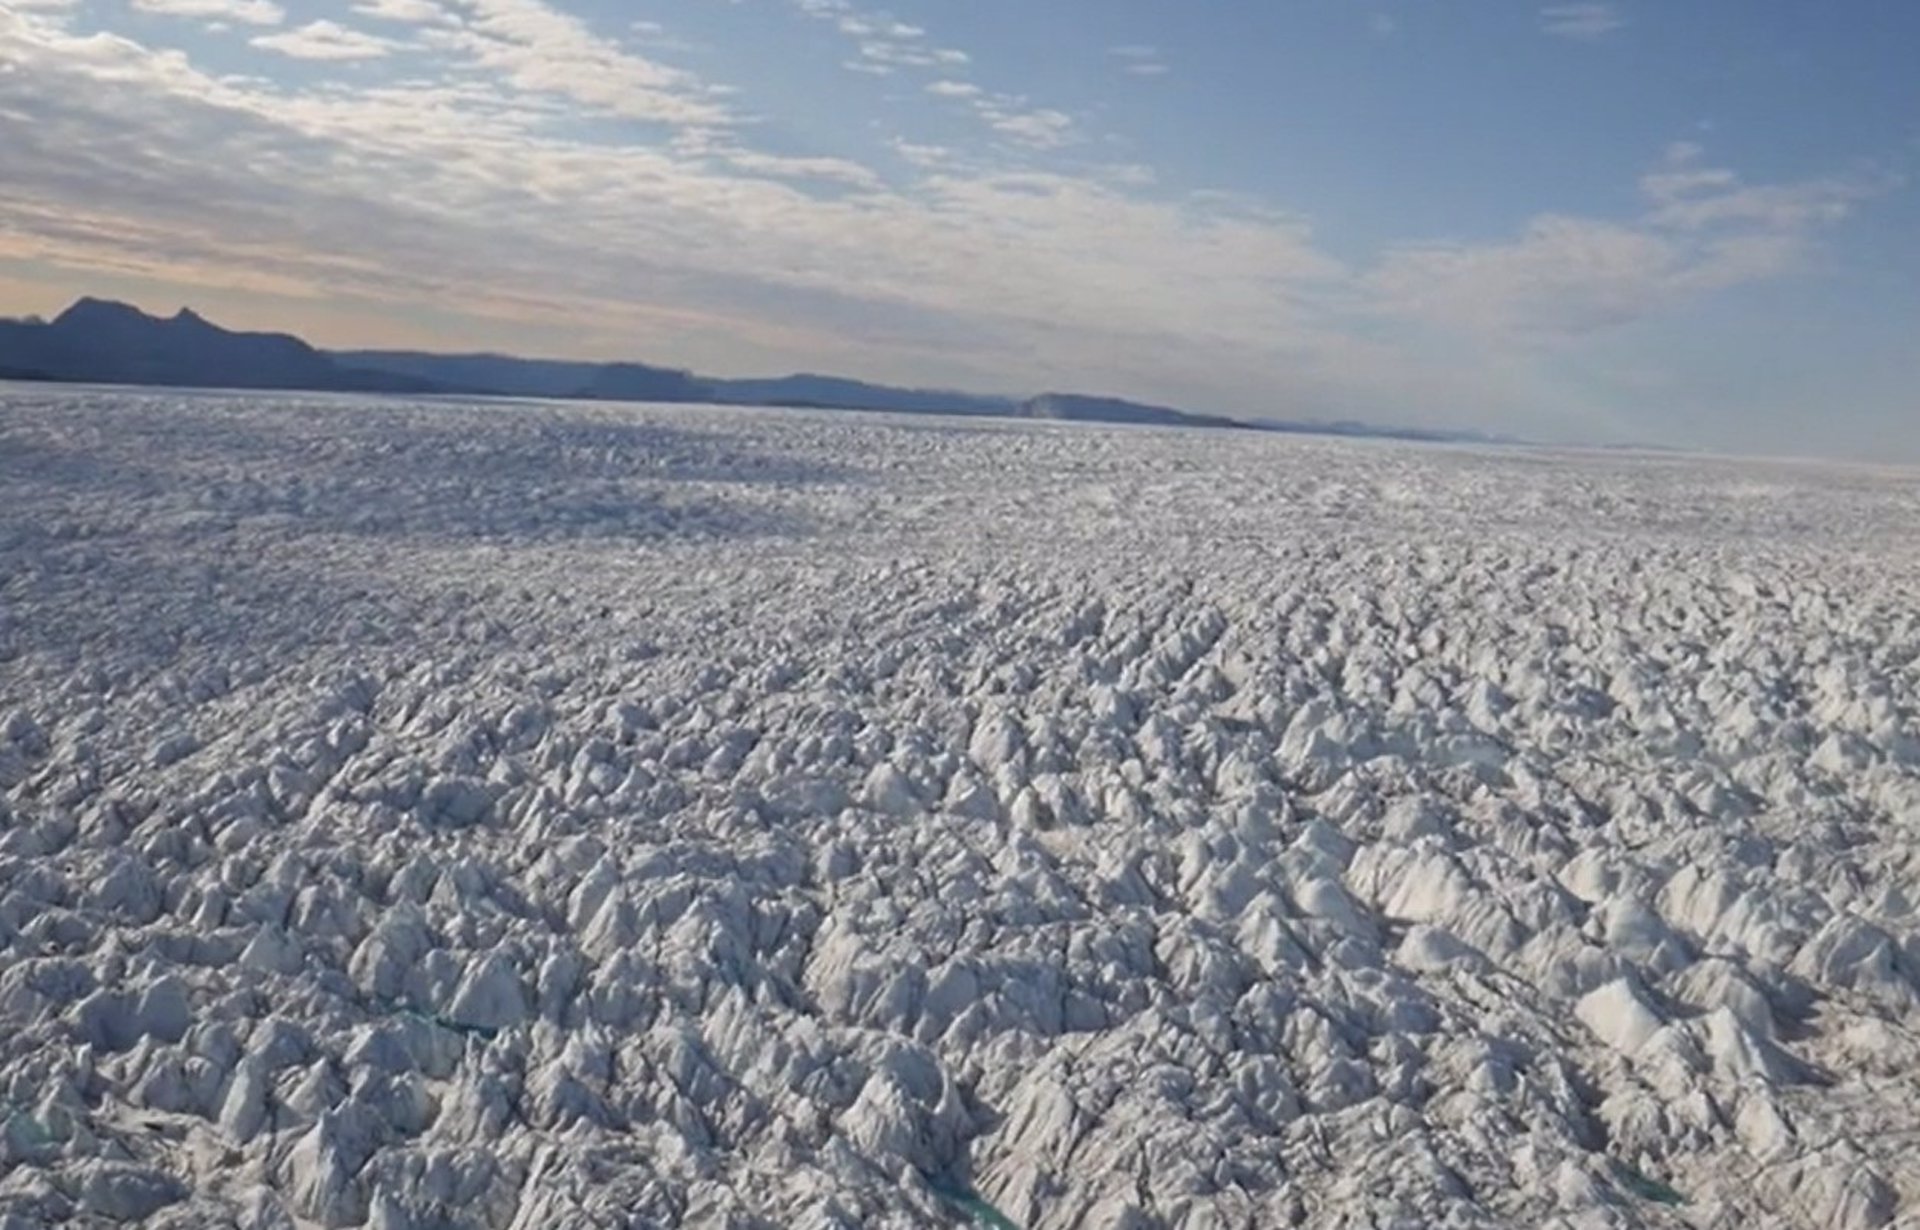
{"x": 1573, "y": 221}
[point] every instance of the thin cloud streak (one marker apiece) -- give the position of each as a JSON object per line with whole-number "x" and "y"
{"x": 1584, "y": 21}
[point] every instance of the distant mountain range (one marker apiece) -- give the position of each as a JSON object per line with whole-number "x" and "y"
{"x": 1076, "y": 408}
{"x": 98, "y": 341}
{"x": 506, "y": 376}
{"x": 112, "y": 343}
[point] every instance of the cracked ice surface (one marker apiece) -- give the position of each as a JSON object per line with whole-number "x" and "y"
{"x": 514, "y": 816}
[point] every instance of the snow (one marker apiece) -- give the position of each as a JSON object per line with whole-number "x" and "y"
{"x": 514, "y": 815}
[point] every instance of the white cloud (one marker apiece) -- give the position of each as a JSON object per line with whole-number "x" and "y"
{"x": 1562, "y": 275}
{"x": 411, "y": 12}
{"x": 541, "y": 49}
{"x": 886, "y": 46}
{"x": 470, "y": 190}
{"x": 1130, "y": 174}
{"x": 883, "y": 44}
{"x": 1139, "y": 60}
{"x": 248, "y": 12}
{"x": 461, "y": 194}
{"x": 1703, "y": 230}
{"x": 922, "y": 155}
{"x": 1042, "y": 128}
{"x": 1695, "y": 199}
{"x": 655, "y": 36}
{"x": 1581, "y": 21}
{"x": 326, "y": 40}
{"x": 776, "y": 166}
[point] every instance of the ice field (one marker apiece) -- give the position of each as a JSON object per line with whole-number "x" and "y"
{"x": 433, "y": 815}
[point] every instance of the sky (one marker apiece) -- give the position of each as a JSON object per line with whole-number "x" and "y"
{"x": 1685, "y": 223}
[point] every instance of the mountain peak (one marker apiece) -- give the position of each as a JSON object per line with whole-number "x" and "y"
{"x": 90, "y": 312}
{"x": 108, "y": 342}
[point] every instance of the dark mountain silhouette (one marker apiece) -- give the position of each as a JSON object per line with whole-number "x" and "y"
{"x": 638, "y": 382}
{"x": 104, "y": 342}
{"x": 21, "y": 349}
{"x": 499, "y": 374}
{"x": 1077, "y": 408}
{"x": 1373, "y": 431}
{"x": 835, "y": 393}
{"x": 508, "y": 376}
{"x": 99, "y": 341}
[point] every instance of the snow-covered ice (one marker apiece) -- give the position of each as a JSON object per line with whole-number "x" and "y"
{"x": 430, "y": 815}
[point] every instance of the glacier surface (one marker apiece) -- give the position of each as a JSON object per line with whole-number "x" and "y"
{"x": 510, "y": 816}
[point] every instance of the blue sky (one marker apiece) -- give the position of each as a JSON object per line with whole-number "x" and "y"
{"x": 1688, "y": 223}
